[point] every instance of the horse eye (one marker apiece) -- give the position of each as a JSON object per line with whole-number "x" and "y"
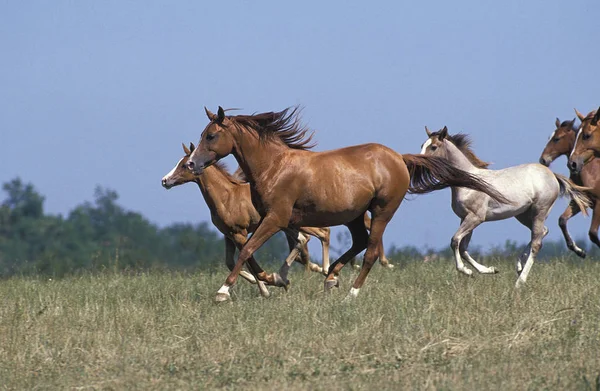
{"x": 433, "y": 147}
{"x": 586, "y": 136}
{"x": 556, "y": 139}
{"x": 210, "y": 137}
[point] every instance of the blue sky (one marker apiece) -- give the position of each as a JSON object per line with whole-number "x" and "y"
{"x": 105, "y": 92}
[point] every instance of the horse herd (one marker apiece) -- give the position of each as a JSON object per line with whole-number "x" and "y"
{"x": 281, "y": 185}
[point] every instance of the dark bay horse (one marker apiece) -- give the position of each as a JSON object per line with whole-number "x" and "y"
{"x": 232, "y": 212}
{"x": 562, "y": 142}
{"x": 295, "y": 187}
{"x": 531, "y": 188}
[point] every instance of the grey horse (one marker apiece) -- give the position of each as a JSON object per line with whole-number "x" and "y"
{"x": 531, "y": 188}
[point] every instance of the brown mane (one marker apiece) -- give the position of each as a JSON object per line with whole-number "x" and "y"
{"x": 234, "y": 178}
{"x": 463, "y": 143}
{"x": 284, "y": 125}
{"x": 569, "y": 122}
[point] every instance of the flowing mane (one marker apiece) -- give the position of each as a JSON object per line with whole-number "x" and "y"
{"x": 234, "y": 178}
{"x": 463, "y": 143}
{"x": 284, "y": 125}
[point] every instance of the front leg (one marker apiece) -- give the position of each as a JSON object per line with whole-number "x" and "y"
{"x": 270, "y": 225}
{"x": 464, "y": 245}
{"x": 467, "y": 225}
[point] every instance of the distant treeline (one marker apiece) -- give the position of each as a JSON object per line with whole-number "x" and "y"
{"x": 103, "y": 235}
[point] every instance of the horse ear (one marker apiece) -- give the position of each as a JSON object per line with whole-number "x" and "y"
{"x": 573, "y": 124}
{"x": 185, "y": 149}
{"x": 192, "y": 147}
{"x": 557, "y": 123}
{"x": 579, "y": 115}
{"x": 209, "y": 114}
{"x": 427, "y": 131}
{"x": 443, "y": 133}
{"x": 596, "y": 117}
{"x": 220, "y": 114}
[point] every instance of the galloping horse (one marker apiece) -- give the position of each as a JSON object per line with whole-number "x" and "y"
{"x": 587, "y": 143}
{"x": 531, "y": 188}
{"x": 561, "y": 142}
{"x": 232, "y": 212}
{"x": 294, "y": 187}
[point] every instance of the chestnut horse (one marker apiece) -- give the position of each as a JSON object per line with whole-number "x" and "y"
{"x": 561, "y": 142}
{"x": 295, "y": 187}
{"x": 587, "y": 143}
{"x": 232, "y": 212}
{"x": 531, "y": 188}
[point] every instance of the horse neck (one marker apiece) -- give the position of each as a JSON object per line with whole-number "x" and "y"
{"x": 214, "y": 185}
{"x": 255, "y": 156}
{"x": 458, "y": 159}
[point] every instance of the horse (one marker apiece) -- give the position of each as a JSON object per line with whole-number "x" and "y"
{"x": 231, "y": 210}
{"x": 531, "y": 188}
{"x": 294, "y": 186}
{"x": 561, "y": 142}
{"x": 587, "y": 142}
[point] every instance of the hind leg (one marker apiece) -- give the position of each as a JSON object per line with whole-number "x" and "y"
{"x": 298, "y": 244}
{"x": 360, "y": 239}
{"x": 464, "y": 244}
{"x": 527, "y": 219}
{"x": 467, "y": 225}
{"x": 538, "y": 232}
{"x": 571, "y": 211}
{"x": 382, "y": 258}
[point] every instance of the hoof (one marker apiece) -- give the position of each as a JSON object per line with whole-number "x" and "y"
{"x": 581, "y": 253}
{"x": 222, "y": 297}
{"x": 356, "y": 267}
{"x": 280, "y": 282}
{"x": 388, "y": 266}
{"x": 494, "y": 270}
{"x": 329, "y": 284}
{"x": 520, "y": 283}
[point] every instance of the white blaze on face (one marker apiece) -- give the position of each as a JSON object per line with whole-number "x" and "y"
{"x": 427, "y": 144}
{"x": 170, "y": 174}
{"x": 576, "y": 140}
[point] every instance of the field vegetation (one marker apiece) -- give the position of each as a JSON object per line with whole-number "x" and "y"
{"x": 419, "y": 326}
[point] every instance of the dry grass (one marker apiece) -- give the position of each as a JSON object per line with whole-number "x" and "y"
{"x": 422, "y": 326}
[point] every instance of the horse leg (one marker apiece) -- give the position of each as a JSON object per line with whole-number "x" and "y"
{"x": 238, "y": 241}
{"x": 302, "y": 256}
{"x": 325, "y": 238}
{"x": 467, "y": 225}
{"x": 464, "y": 244}
{"x": 527, "y": 219}
{"x": 382, "y": 258}
{"x": 571, "y": 211}
{"x": 538, "y": 232}
{"x": 595, "y": 223}
{"x": 360, "y": 239}
{"x": 270, "y": 225}
{"x": 299, "y": 242}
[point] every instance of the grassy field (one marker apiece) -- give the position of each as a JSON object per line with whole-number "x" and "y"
{"x": 419, "y": 326}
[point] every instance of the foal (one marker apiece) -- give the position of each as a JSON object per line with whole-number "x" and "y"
{"x": 531, "y": 188}
{"x": 228, "y": 199}
{"x": 562, "y": 142}
{"x": 295, "y": 187}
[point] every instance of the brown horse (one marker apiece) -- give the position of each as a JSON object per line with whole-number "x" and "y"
{"x": 295, "y": 187}
{"x": 232, "y": 212}
{"x": 587, "y": 143}
{"x": 561, "y": 142}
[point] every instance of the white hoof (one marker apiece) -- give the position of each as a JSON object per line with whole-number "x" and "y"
{"x": 466, "y": 271}
{"x": 222, "y": 297}
{"x": 520, "y": 283}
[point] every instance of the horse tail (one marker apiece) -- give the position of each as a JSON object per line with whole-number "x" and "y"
{"x": 430, "y": 173}
{"x": 578, "y": 194}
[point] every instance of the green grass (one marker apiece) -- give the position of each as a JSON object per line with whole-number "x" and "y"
{"x": 420, "y": 326}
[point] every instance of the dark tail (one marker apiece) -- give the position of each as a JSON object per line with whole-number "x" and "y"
{"x": 431, "y": 173}
{"x": 578, "y": 194}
